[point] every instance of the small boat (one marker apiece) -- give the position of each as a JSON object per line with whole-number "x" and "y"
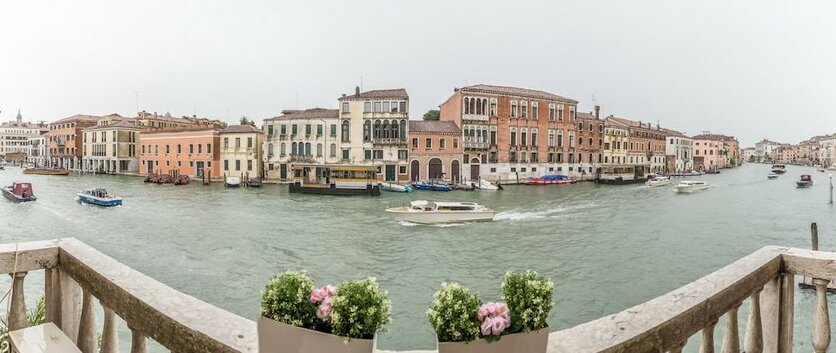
{"x": 232, "y": 182}
{"x": 806, "y": 181}
{"x": 658, "y": 181}
{"x": 338, "y": 180}
{"x": 99, "y": 197}
{"x": 772, "y": 176}
{"x": 2, "y": 165}
{"x": 550, "y": 180}
{"x": 392, "y": 187}
{"x": 254, "y": 183}
{"x": 689, "y": 186}
{"x": 686, "y": 174}
{"x": 19, "y": 192}
{"x": 46, "y": 171}
{"x": 429, "y": 212}
{"x": 485, "y": 185}
{"x": 432, "y": 186}
{"x": 779, "y": 168}
{"x": 181, "y": 179}
{"x": 821, "y": 170}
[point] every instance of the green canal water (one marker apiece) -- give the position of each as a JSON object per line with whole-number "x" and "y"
{"x": 606, "y": 247}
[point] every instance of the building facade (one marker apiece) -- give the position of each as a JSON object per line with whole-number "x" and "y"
{"x": 300, "y": 136}
{"x": 512, "y": 133}
{"x": 590, "y": 142}
{"x": 679, "y": 150}
{"x": 111, "y": 146}
{"x": 191, "y": 151}
{"x": 373, "y": 131}
{"x": 435, "y": 151}
{"x": 36, "y": 152}
{"x": 14, "y": 138}
{"x": 646, "y": 144}
{"x": 827, "y": 151}
{"x": 616, "y": 139}
{"x": 64, "y": 140}
{"x": 748, "y": 155}
{"x": 241, "y": 151}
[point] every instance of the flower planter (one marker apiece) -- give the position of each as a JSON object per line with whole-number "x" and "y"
{"x": 277, "y": 337}
{"x": 531, "y": 342}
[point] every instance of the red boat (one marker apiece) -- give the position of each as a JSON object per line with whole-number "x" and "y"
{"x": 19, "y": 192}
{"x": 550, "y": 180}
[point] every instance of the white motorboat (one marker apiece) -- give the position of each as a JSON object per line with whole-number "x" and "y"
{"x": 429, "y": 212}
{"x": 658, "y": 181}
{"x": 232, "y": 181}
{"x": 485, "y": 185}
{"x": 779, "y": 168}
{"x": 395, "y": 187}
{"x": 689, "y": 186}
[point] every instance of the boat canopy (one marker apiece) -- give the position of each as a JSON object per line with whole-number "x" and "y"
{"x": 555, "y": 177}
{"x": 806, "y": 177}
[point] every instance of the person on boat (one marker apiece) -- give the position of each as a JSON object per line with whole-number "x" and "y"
{"x": 498, "y": 185}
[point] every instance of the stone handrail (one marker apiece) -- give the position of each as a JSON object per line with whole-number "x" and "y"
{"x": 76, "y": 273}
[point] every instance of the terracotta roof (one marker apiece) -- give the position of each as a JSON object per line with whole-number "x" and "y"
{"x": 714, "y": 137}
{"x": 240, "y": 128}
{"x": 433, "y": 126}
{"x": 516, "y": 91}
{"x": 126, "y": 123}
{"x": 675, "y": 133}
{"x": 77, "y": 117}
{"x": 584, "y": 115}
{"x": 313, "y": 113}
{"x": 397, "y": 93}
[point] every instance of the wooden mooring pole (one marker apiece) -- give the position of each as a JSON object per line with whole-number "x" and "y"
{"x": 814, "y": 234}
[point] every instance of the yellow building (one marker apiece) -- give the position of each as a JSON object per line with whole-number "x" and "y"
{"x": 111, "y": 146}
{"x": 241, "y": 151}
{"x": 616, "y": 140}
{"x": 147, "y": 120}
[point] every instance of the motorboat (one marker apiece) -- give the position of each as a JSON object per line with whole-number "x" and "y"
{"x": 432, "y": 186}
{"x": 463, "y": 187}
{"x": 99, "y": 197}
{"x": 19, "y": 192}
{"x": 232, "y": 181}
{"x": 429, "y": 212}
{"x": 772, "y": 176}
{"x": 689, "y": 186}
{"x": 687, "y": 174}
{"x": 338, "y": 180}
{"x": 779, "y": 168}
{"x": 658, "y": 181}
{"x": 806, "y": 181}
{"x": 254, "y": 183}
{"x": 555, "y": 179}
{"x": 485, "y": 185}
{"x": 821, "y": 170}
{"x": 392, "y": 187}
{"x": 46, "y": 171}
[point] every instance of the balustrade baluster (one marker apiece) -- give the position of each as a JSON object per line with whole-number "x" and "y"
{"x": 821, "y": 318}
{"x": 110, "y": 339}
{"x": 785, "y": 331}
{"x": 731, "y": 339}
{"x": 678, "y": 348}
{"x": 754, "y": 328}
{"x": 137, "y": 341}
{"x": 17, "y": 312}
{"x": 87, "y": 325}
{"x": 707, "y": 345}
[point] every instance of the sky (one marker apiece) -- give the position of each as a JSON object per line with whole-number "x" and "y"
{"x": 748, "y": 68}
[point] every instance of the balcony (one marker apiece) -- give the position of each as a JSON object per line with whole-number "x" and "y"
{"x": 389, "y": 141}
{"x": 474, "y": 117}
{"x": 473, "y": 145}
{"x": 763, "y": 281}
{"x": 302, "y": 158}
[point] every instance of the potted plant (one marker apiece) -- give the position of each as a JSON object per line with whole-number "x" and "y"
{"x": 296, "y": 317}
{"x": 518, "y": 324}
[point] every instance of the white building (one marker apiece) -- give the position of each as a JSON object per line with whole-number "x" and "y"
{"x": 14, "y": 138}
{"x": 300, "y": 136}
{"x": 827, "y": 151}
{"x": 748, "y": 154}
{"x": 36, "y": 151}
{"x": 765, "y": 150}
{"x": 680, "y": 148}
{"x": 373, "y": 131}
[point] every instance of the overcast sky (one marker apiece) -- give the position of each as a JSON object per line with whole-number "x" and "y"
{"x": 754, "y": 69}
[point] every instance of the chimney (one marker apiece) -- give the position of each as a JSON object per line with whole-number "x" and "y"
{"x": 343, "y": 95}
{"x": 357, "y": 90}
{"x": 597, "y": 112}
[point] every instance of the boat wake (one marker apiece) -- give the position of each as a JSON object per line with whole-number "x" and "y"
{"x": 518, "y": 216}
{"x": 442, "y": 225}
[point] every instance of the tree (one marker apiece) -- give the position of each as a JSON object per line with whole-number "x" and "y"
{"x": 432, "y": 114}
{"x": 245, "y": 121}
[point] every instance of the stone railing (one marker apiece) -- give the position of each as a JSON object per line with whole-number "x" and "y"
{"x": 75, "y": 274}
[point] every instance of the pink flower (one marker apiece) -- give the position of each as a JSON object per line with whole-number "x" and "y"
{"x": 317, "y": 295}
{"x": 323, "y": 311}
{"x": 502, "y": 311}
{"x": 498, "y": 325}
{"x": 486, "y": 326}
{"x": 331, "y": 290}
{"x": 495, "y": 318}
{"x": 482, "y": 313}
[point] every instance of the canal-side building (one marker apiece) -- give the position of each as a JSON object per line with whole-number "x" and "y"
{"x": 709, "y": 152}
{"x": 241, "y": 149}
{"x": 646, "y": 144}
{"x": 827, "y": 151}
{"x": 14, "y": 138}
{"x": 732, "y": 151}
{"x": 151, "y": 121}
{"x": 764, "y": 150}
{"x": 191, "y": 151}
{"x": 590, "y": 152}
{"x": 111, "y": 146}
{"x": 36, "y": 151}
{"x": 512, "y": 133}
{"x": 616, "y": 138}
{"x": 435, "y": 151}
{"x": 373, "y": 131}
{"x": 748, "y": 155}
{"x": 65, "y": 145}
{"x": 679, "y": 150}
{"x": 300, "y": 136}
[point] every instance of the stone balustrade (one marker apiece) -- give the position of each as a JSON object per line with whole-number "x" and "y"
{"x": 76, "y": 274}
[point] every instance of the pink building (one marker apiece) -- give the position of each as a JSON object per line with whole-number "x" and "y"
{"x": 181, "y": 151}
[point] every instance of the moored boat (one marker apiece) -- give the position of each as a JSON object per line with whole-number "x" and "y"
{"x": 432, "y": 186}
{"x": 340, "y": 180}
{"x": 46, "y": 171}
{"x": 689, "y": 186}
{"x": 254, "y": 183}
{"x": 658, "y": 181}
{"x": 806, "y": 181}
{"x": 99, "y": 197}
{"x": 19, "y": 192}
{"x": 686, "y": 174}
{"x": 429, "y": 212}
{"x": 486, "y": 185}
{"x": 779, "y": 168}
{"x": 550, "y": 180}
{"x": 619, "y": 174}
{"x": 232, "y": 181}
{"x": 392, "y": 187}
{"x": 772, "y": 176}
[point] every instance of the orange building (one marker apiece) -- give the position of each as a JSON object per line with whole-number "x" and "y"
{"x": 64, "y": 140}
{"x": 435, "y": 150}
{"x": 182, "y": 151}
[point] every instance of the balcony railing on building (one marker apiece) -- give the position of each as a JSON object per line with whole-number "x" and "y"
{"x": 78, "y": 278}
{"x": 307, "y": 158}
{"x": 389, "y": 141}
{"x": 480, "y": 145}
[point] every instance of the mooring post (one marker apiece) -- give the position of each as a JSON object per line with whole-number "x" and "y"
{"x": 814, "y": 233}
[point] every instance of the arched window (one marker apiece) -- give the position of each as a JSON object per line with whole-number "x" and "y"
{"x": 367, "y": 131}
{"x": 269, "y": 149}
{"x": 385, "y": 129}
{"x": 403, "y": 130}
{"x": 282, "y": 149}
{"x": 472, "y": 106}
{"x": 308, "y": 149}
{"x": 319, "y": 150}
{"x": 395, "y": 130}
{"x": 333, "y": 150}
{"x": 478, "y": 107}
{"x": 345, "y": 132}
{"x": 293, "y": 149}
{"x": 484, "y": 106}
{"x": 467, "y": 105}
{"x": 377, "y": 129}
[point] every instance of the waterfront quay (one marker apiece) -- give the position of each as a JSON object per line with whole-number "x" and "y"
{"x": 607, "y": 248}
